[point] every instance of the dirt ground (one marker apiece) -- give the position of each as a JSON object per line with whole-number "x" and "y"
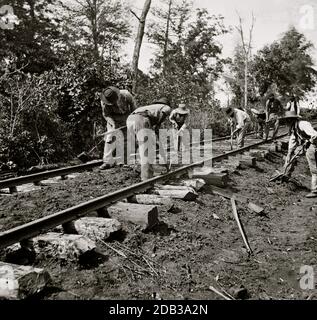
{"x": 196, "y": 245}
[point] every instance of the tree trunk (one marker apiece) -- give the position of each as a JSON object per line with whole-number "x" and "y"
{"x": 94, "y": 28}
{"x": 246, "y": 71}
{"x": 138, "y": 43}
{"x": 166, "y": 36}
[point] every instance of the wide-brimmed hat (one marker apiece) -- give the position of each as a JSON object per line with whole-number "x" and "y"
{"x": 290, "y": 115}
{"x": 257, "y": 112}
{"x": 111, "y": 95}
{"x": 162, "y": 101}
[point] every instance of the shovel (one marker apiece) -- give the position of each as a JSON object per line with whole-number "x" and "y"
{"x": 85, "y": 156}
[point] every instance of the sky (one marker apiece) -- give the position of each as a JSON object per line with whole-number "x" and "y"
{"x": 273, "y": 18}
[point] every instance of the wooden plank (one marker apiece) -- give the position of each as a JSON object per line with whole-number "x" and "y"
{"x": 248, "y": 161}
{"x": 151, "y": 199}
{"x": 141, "y": 214}
{"x": 212, "y": 176}
{"x": 188, "y": 194}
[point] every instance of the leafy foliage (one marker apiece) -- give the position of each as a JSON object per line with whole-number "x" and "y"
{"x": 286, "y": 63}
{"x": 193, "y": 56}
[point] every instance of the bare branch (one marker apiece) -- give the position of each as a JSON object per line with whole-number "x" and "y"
{"x": 250, "y": 35}
{"x": 240, "y": 30}
{"x": 135, "y": 15}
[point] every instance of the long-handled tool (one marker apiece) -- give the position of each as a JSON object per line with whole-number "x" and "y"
{"x": 243, "y": 234}
{"x": 85, "y": 156}
{"x": 283, "y": 175}
{"x": 231, "y": 136}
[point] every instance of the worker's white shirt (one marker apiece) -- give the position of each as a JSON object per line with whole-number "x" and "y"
{"x": 290, "y": 106}
{"x": 240, "y": 118}
{"x": 306, "y": 128}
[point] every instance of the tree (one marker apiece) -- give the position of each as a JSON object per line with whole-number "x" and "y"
{"x": 138, "y": 42}
{"x": 30, "y": 131}
{"x": 286, "y": 64}
{"x": 30, "y": 43}
{"x": 193, "y": 54}
{"x": 246, "y": 53}
{"x": 238, "y": 83}
{"x": 99, "y": 27}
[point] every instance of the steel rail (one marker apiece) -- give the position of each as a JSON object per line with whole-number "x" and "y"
{"x": 36, "y": 227}
{"x": 37, "y": 177}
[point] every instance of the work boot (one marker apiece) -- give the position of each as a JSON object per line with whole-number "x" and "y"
{"x": 106, "y": 166}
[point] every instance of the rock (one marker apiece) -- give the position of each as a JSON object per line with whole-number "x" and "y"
{"x": 255, "y": 208}
{"x": 240, "y": 293}
{"x": 215, "y": 216}
{"x": 20, "y": 282}
{"x": 264, "y": 296}
{"x": 97, "y": 228}
{"x": 66, "y": 247}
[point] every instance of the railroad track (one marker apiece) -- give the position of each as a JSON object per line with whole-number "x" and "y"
{"x": 13, "y": 182}
{"x": 36, "y": 227}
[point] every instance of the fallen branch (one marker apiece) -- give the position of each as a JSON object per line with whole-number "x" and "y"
{"x": 219, "y": 293}
{"x": 115, "y": 250}
{"x": 236, "y": 216}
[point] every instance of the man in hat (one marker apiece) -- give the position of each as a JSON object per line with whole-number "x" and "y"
{"x": 241, "y": 120}
{"x": 139, "y": 123}
{"x": 302, "y": 134}
{"x": 116, "y": 106}
{"x": 180, "y": 119}
{"x": 273, "y": 111}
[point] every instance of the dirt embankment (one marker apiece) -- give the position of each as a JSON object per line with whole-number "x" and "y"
{"x": 196, "y": 245}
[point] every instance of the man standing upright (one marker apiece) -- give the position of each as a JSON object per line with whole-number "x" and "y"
{"x": 273, "y": 110}
{"x": 116, "y": 106}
